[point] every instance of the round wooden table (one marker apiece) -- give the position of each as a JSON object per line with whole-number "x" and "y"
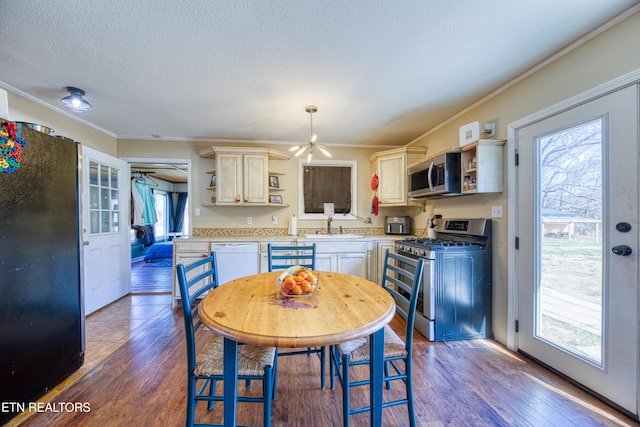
{"x": 251, "y": 310}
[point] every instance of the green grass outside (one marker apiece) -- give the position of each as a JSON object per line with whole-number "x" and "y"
{"x": 574, "y": 268}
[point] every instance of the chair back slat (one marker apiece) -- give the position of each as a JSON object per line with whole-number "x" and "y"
{"x": 195, "y": 280}
{"x": 284, "y": 256}
{"x": 402, "y": 278}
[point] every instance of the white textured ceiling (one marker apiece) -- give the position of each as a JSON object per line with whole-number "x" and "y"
{"x": 381, "y": 72}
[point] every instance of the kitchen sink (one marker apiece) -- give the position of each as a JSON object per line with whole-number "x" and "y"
{"x": 332, "y": 236}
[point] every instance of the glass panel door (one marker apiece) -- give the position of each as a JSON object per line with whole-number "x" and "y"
{"x": 104, "y": 200}
{"x": 569, "y": 295}
{"x": 577, "y": 262}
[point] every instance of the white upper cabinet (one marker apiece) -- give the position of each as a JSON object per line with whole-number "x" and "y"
{"x": 482, "y": 164}
{"x": 242, "y": 174}
{"x": 391, "y": 168}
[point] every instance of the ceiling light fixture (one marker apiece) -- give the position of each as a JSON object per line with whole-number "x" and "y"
{"x": 74, "y": 100}
{"x": 300, "y": 149}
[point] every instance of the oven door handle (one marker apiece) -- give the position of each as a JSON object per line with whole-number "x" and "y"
{"x": 429, "y": 176}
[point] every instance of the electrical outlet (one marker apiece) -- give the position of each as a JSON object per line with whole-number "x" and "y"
{"x": 496, "y": 211}
{"x": 249, "y": 220}
{"x": 197, "y": 212}
{"x": 274, "y": 220}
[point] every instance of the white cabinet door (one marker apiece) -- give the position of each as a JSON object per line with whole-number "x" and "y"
{"x": 343, "y": 257}
{"x": 264, "y": 253}
{"x": 242, "y": 179}
{"x": 381, "y": 250}
{"x": 229, "y": 175}
{"x": 187, "y": 253}
{"x": 255, "y": 177}
{"x": 353, "y": 263}
{"x": 326, "y": 262}
{"x": 392, "y": 185}
{"x": 391, "y": 167}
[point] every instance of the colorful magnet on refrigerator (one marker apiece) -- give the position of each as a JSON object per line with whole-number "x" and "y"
{"x": 11, "y": 145}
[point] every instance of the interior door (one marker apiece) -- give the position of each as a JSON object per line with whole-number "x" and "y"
{"x": 577, "y": 207}
{"x": 106, "y": 212}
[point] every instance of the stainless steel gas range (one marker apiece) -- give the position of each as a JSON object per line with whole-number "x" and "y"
{"x": 456, "y": 284}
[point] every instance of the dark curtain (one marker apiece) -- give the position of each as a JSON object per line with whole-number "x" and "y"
{"x": 176, "y": 211}
{"x": 327, "y": 184}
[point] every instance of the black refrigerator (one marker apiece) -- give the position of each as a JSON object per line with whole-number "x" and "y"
{"x": 41, "y": 308}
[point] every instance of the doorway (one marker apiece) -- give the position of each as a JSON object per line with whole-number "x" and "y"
{"x": 577, "y": 233}
{"x": 104, "y": 236}
{"x": 151, "y": 258}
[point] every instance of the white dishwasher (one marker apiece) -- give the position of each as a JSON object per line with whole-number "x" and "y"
{"x": 235, "y": 260}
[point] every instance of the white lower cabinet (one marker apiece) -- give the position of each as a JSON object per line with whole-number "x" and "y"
{"x": 185, "y": 253}
{"x": 343, "y": 257}
{"x": 264, "y": 253}
{"x": 381, "y": 250}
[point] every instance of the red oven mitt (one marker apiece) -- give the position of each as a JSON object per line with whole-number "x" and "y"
{"x": 374, "y": 182}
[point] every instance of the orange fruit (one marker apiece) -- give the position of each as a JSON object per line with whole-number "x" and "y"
{"x": 306, "y": 286}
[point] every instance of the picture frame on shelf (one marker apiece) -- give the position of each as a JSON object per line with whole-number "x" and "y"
{"x": 213, "y": 181}
{"x": 275, "y": 199}
{"x": 274, "y": 182}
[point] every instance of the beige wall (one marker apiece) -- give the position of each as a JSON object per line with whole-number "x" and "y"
{"x": 24, "y": 110}
{"x": 612, "y": 54}
{"x": 236, "y": 217}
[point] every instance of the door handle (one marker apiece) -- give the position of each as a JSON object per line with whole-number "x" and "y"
{"x": 623, "y": 250}
{"x": 86, "y": 243}
{"x": 623, "y": 227}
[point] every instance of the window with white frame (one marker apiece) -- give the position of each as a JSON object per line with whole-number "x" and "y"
{"x": 162, "y": 214}
{"x": 327, "y": 181}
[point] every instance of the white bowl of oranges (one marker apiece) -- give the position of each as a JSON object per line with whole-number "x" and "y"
{"x": 297, "y": 281}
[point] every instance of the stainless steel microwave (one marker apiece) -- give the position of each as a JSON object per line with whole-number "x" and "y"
{"x": 436, "y": 176}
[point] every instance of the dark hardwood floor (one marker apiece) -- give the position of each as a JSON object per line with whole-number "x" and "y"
{"x": 459, "y": 383}
{"x": 153, "y": 277}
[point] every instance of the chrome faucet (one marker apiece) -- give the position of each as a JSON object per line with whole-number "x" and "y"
{"x": 329, "y": 224}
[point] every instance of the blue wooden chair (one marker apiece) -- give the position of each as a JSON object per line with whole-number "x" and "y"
{"x": 206, "y": 367}
{"x": 402, "y": 278}
{"x": 282, "y": 257}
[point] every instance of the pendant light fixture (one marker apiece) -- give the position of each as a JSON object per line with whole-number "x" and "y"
{"x": 300, "y": 149}
{"x": 75, "y": 101}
